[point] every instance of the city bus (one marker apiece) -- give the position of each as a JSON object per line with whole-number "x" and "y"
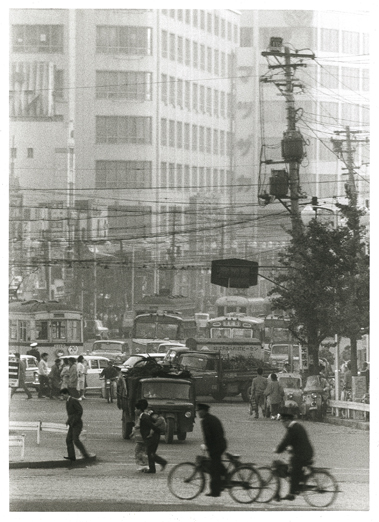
{"x": 251, "y": 306}
{"x": 56, "y": 327}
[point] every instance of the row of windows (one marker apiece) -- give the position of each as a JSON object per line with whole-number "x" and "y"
{"x": 124, "y": 129}
{"x": 124, "y": 40}
{"x": 207, "y": 21}
{"x": 195, "y": 97}
{"x": 334, "y": 77}
{"x": 176, "y": 176}
{"x": 127, "y": 85}
{"x": 123, "y": 174}
{"x": 346, "y": 42}
{"x": 195, "y": 137}
{"x": 37, "y": 38}
{"x": 67, "y": 330}
{"x": 197, "y": 55}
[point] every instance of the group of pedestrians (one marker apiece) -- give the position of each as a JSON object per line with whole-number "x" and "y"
{"x": 267, "y": 394}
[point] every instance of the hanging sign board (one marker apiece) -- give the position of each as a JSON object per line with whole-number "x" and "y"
{"x": 234, "y": 273}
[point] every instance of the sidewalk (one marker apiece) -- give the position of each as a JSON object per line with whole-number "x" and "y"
{"x": 48, "y": 454}
{"x": 350, "y": 423}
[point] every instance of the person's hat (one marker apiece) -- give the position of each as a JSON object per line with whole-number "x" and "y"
{"x": 202, "y": 406}
{"x": 33, "y": 345}
{"x": 286, "y": 413}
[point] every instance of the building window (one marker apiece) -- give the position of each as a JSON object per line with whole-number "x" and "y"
{"x": 123, "y": 174}
{"x": 209, "y": 178}
{"x": 163, "y": 132}
{"x": 164, "y": 182}
{"x": 350, "y": 42}
{"x": 128, "y": 85}
{"x": 365, "y": 43}
{"x": 171, "y": 175}
{"x": 222, "y": 143}
{"x": 24, "y": 330}
{"x": 172, "y": 47}
{"x": 180, "y": 15}
{"x": 202, "y": 99}
{"x": 124, "y": 40}
{"x": 187, "y": 136}
{"x": 202, "y": 57}
{"x": 202, "y": 19}
{"x": 187, "y": 95}
{"x": 58, "y": 85}
{"x": 215, "y": 103}
{"x": 172, "y": 13}
{"x": 195, "y": 55}
{"x": 329, "y": 76}
{"x": 209, "y": 101}
{"x": 230, "y": 65}
{"x": 164, "y": 89}
{"x": 246, "y": 37}
{"x": 30, "y": 153}
{"x": 188, "y": 52}
{"x": 350, "y": 78}
{"x": 230, "y": 31}
{"x": 179, "y": 134}
{"x": 228, "y": 105}
{"x": 194, "y": 137}
{"x": 13, "y": 153}
{"x": 123, "y": 129}
{"x": 229, "y": 143}
{"x": 171, "y": 133}
{"x": 215, "y": 141}
{"x": 195, "y": 15}
{"x": 235, "y": 33}
{"x": 179, "y": 176}
{"x": 209, "y": 59}
{"x": 222, "y": 180}
{"x": 188, "y": 16}
{"x": 209, "y": 23}
{"x": 223, "y": 24}
{"x": 215, "y": 179}
{"x": 222, "y": 104}
{"x": 201, "y": 139}
{"x": 195, "y": 97}
{"x": 164, "y": 44}
{"x": 194, "y": 183}
{"x": 180, "y": 49}
{"x": 223, "y": 65}
{"x": 172, "y": 91}
{"x": 329, "y": 40}
{"x": 37, "y": 38}
{"x": 365, "y": 79}
{"x": 216, "y": 62}
{"x": 201, "y": 178}
{"x": 187, "y": 181}
{"x": 179, "y": 93}
{"x": 217, "y": 25}
{"x": 208, "y": 142}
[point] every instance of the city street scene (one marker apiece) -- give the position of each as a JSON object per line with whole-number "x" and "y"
{"x": 189, "y": 255}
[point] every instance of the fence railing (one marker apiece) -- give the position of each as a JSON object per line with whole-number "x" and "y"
{"x": 350, "y": 410}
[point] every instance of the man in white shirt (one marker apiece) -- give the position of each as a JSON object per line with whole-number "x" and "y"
{"x": 43, "y": 372}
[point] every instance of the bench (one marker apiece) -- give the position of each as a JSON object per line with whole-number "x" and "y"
{"x": 26, "y": 426}
{"x": 18, "y": 440}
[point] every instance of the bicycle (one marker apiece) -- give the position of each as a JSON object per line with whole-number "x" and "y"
{"x": 319, "y": 487}
{"x": 187, "y": 479}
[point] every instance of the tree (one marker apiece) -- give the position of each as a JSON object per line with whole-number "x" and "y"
{"x": 307, "y": 287}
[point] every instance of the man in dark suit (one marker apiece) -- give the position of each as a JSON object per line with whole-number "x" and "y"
{"x": 216, "y": 444}
{"x": 75, "y": 423}
{"x": 151, "y": 441}
{"x": 302, "y": 450}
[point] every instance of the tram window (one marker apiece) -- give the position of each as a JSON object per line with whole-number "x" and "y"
{"x": 24, "y": 331}
{"x": 58, "y": 329}
{"x": 73, "y": 330}
{"x": 41, "y": 330}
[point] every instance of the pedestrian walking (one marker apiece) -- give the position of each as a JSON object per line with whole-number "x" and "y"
{"x": 302, "y": 452}
{"x": 152, "y": 442}
{"x": 73, "y": 378}
{"x": 34, "y": 351}
{"x": 65, "y": 370}
{"x": 258, "y": 387}
{"x": 55, "y": 379}
{"x": 43, "y": 376}
{"x": 21, "y": 378}
{"x": 74, "y": 422}
{"x": 275, "y": 393}
{"x": 140, "y": 452}
{"x": 81, "y": 377}
{"x": 216, "y": 444}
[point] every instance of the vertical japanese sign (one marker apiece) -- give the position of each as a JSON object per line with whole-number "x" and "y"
{"x": 13, "y": 371}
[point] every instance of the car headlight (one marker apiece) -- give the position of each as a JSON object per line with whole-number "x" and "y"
{"x": 188, "y": 414}
{"x": 314, "y": 395}
{"x": 290, "y": 395}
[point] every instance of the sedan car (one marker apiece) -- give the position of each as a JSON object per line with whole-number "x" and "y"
{"x": 96, "y": 365}
{"x": 140, "y": 359}
{"x": 31, "y": 373}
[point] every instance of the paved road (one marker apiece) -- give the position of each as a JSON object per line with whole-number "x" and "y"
{"x": 114, "y": 485}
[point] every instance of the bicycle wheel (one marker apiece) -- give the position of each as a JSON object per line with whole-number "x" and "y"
{"x": 244, "y": 484}
{"x": 320, "y": 488}
{"x": 270, "y": 484}
{"x": 186, "y": 481}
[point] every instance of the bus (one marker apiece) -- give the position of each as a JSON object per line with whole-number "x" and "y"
{"x": 56, "y": 327}
{"x": 163, "y": 302}
{"x": 152, "y": 329}
{"x": 251, "y": 306}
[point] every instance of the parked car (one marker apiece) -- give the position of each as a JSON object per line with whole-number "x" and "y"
{"x": 114, "y": 349}
{"x": 96, "y": 365}
{"x": 31, "y": 373}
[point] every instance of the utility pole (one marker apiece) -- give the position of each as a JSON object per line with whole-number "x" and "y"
{"x": 292, "y": 143}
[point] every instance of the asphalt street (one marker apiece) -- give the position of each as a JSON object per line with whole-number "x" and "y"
{"x": 114, "y": 484}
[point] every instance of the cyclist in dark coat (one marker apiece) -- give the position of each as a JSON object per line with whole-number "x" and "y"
{"x": 302, "y": 450}
{"x": 216, "y": 444}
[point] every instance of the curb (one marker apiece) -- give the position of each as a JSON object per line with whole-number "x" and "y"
{"x": 53, "y": 463}
{"x": 350, "y": 423}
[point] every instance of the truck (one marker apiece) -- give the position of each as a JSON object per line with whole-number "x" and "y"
{"x": 168, "y": 391}
{"x": 218, "y": 374}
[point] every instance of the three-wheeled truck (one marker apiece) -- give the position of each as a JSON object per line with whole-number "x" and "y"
{"x": 167, "y": 391}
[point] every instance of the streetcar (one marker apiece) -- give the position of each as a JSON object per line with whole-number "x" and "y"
{"x": 55, "y": 327}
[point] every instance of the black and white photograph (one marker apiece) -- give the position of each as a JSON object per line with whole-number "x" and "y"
{"x": 188, "y": 259}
